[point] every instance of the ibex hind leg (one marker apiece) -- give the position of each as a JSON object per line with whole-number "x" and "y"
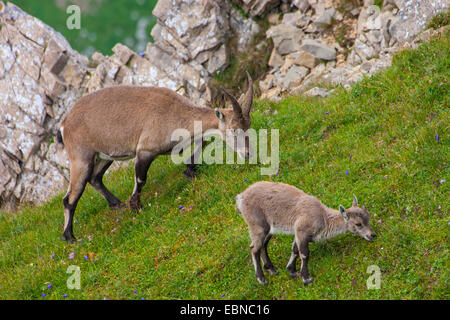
{"x": 143, "y": 161}
{"x": 96, "y": 180}
{"x": 80, "y": 171}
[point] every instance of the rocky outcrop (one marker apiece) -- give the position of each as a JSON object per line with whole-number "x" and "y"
{"x": 338, "y": 43}
{"x": 41, "y": 77}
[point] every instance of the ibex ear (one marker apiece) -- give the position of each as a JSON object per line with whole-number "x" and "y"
{"x": 355, "y": 201}
{"x": 218, "y": 114}
{"x": 343, "y": 212}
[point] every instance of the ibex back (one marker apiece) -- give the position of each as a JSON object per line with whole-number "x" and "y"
{"x": 124, "y": 122}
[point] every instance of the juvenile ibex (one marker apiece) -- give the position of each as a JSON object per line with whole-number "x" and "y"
{"x": 269, "y": 208}
{"x": 124, "y": 122}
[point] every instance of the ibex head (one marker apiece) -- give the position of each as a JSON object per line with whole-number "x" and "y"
{"x": 235, "y": 123}
{"x": 357, "y": 220}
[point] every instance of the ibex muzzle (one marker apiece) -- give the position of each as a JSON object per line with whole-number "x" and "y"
{"x": 124, "y": 122}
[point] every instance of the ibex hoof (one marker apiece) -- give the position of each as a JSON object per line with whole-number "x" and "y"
{"x": 135, "y": 205}
{"x": 189, "y": 173}
{"x": 294, "y": 274}
{"x": 262, "y": 280}
{"x": 271, "y": 270}
{"x": 69, "y": 238}
{"x": 118, "y": 206}
{"x": 307, "y": 281}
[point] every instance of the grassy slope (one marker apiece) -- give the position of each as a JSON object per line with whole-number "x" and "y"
{"x": 202, "y": 252}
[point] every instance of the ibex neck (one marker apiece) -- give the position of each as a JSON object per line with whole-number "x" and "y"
{"x": 205, "y": 117}
{"x": 334, "y": 225}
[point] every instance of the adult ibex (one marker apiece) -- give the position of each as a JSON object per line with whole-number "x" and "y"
{"x": 269, "y": 208}
{"x": 124, "y": 122}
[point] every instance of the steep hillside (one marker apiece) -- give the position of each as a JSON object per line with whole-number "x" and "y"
{"x": 385, "y": 140}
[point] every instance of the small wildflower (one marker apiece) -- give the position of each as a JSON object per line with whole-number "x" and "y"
{"x": 245, "y": 179}
{"x": 441, "y": 181}
{"x": 89, "y": 238}
{"x": 330, "y": 166}
{"x": 142, "y": 54}
{"x": 86, "y": 257}
{"x": 52, "y": 256}
{"x": 64, "y": 295}
{"x": 326, "y": 112}
{"x": 117, "y": 220}
{"x": 49, "y": 286}
{"x": 135, "y": 291}
{"x": 72, "y": 255}
{"x": 113, "y": 230}
{"x": 437, "y": 137}
{"x": 346, "y": 172}
{"x": 350, "y": 157}
{"x": 43, "y": 295}
{"x": 180, "y": 207}
{"x": 384, "y": 177}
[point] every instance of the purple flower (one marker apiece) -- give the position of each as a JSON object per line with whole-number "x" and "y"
{"x": 49, "y": 286}
{"x": 384, "y": 177}
{"x": 86, "y": 257}
{"x": 350, "y": 157}
{"x": 113, "y": 230}
{"x": 330, "y": 166}
{"x": 43, "y": 295}
{"x": 441, "y": 181}
{"x": 437, "y": 137}
{"x": 72, "y": 255}
{"x": 346, "y": 172}
{"x": 245, "y": 179}
{"x": 52, "y": 255}
{"x": 64, "y": 295}
{"x": 135, "y": 291}
{"x": 142, "y": 54}
{"x": 180, "y": 207}
{"x": 326, "y": 112}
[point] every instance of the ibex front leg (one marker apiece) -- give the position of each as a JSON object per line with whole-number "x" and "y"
{"x": 303, "y": 248}
{"x": 143, "y": 161}
{"x": 192, "y": 164}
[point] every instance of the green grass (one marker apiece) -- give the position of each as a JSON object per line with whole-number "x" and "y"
{"x": 103, "y": 24}
{"x": 202, "y": 252}
{"x": 439, "y": 20}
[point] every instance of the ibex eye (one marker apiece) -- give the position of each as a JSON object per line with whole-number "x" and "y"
{"x": 359, "y": 225}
